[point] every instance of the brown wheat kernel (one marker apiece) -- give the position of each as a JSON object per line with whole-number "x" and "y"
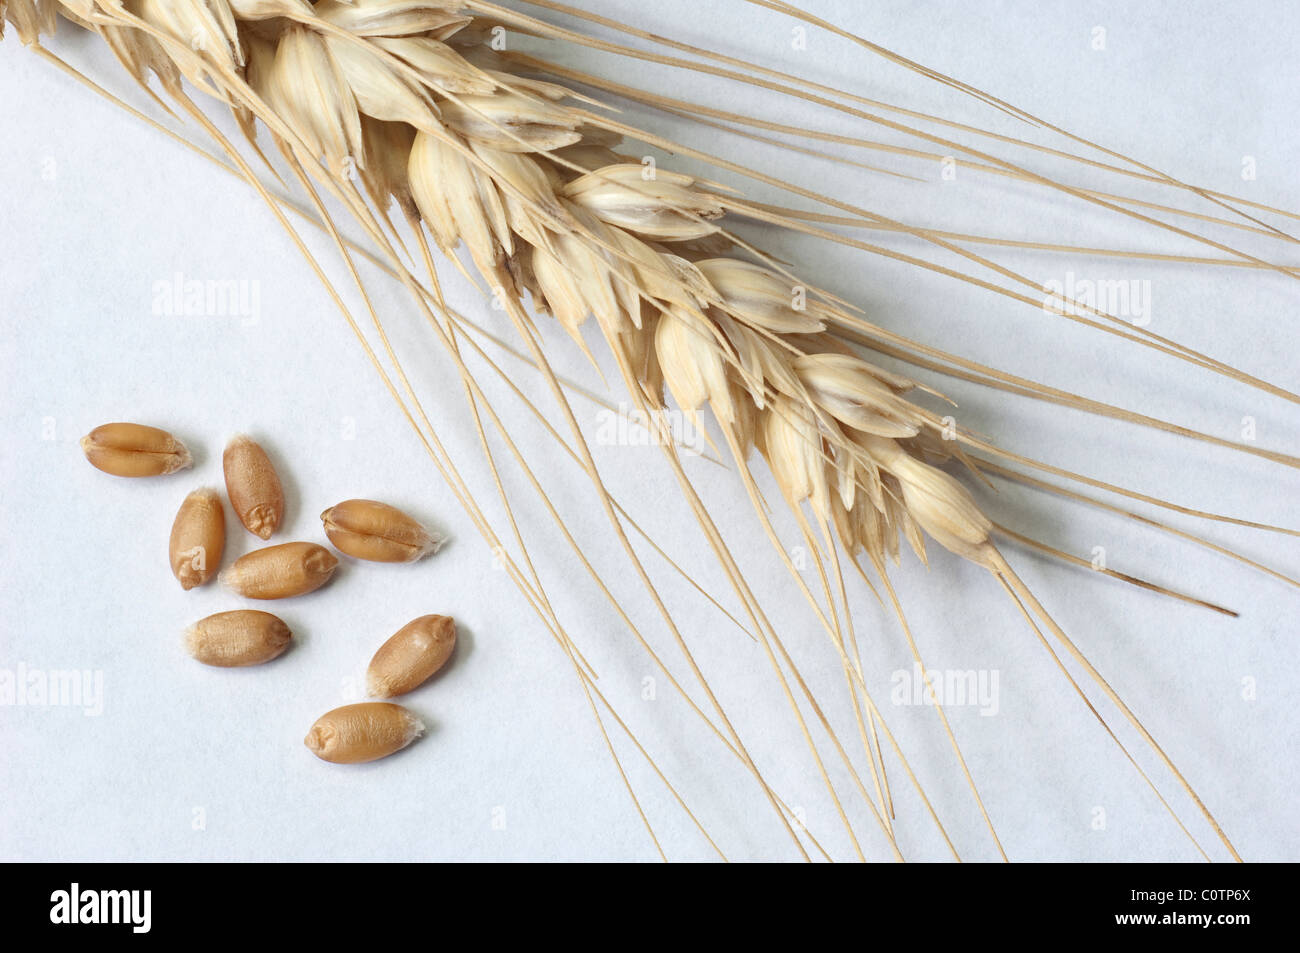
{"x": 412, "y": 656}
{"x": 378, "y": 532}
{"x": 198, "y": 538}
{"x": 134, "y": 450}
{"x": 238, "y": 638}
{"x": 277, "y": 572}
{"x": 364, "y": 732}
{"x": 253, "y": 486}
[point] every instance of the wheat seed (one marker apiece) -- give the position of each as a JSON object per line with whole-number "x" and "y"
{"x": 278, "y": 572}
{"x": 253, "y": 486}
{"x": 134, "y": 450}
{"x": 664, "y": 207}
{"x": 367, "y": 529}
{"x": 412, "y": 656}
{"x": 238, "y": 638}
{"x": 364, "y": 732}
{"x": 198, "y": 538}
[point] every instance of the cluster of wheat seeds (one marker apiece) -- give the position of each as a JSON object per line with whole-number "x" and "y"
{"x": 238, "y": 638}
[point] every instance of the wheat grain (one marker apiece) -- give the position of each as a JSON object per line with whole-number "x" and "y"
{"x": 198, "y": 538}
{"x": 134, "y": 450}
{"x": 416, "y": 653}
{"x": 282, "y": 571}
{"x": 256, "y": 494}
{"x": 364, "y": 732}
{"x": 238, "y": 638}
{"x": 367, "y": 529}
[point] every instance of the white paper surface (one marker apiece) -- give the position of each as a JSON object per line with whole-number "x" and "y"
{"x": 102, "y": 214}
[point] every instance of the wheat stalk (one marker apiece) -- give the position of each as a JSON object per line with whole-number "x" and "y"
{"x": 533, "y": 187}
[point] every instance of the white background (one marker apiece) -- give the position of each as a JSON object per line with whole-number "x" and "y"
{"x": 192, "y": 763}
